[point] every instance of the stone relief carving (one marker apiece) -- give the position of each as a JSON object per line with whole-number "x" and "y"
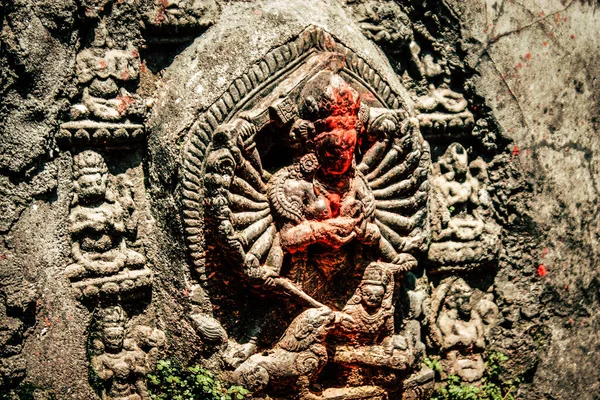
{"x": 464, "y": 233}
{"x": 103, "y": 228}
{"x": 461, "y": 319}
{"x": 424, "y": 66}
{"x": 107, "y": 112}
{"x": 350, "y": 202}
{"x": 124, "y": 356}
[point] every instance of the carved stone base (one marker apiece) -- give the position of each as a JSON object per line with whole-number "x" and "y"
{"x": 85, "y": 133}
{"x": 461, "y": 256}
{"x": 437, "y": 124}
{"x": 354, "y": 393}
{"x": 123, "y": 282}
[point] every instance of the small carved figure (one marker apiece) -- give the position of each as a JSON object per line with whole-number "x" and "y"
{"x": 97, "y": 222}
{"x": 122, "y": 363}
{"x": 460, "y": 321}
{"x": 371, "y": 309}
{"x": 298, "y": 356}
{"x": 463, "y": 230}
{"x": 104, "y": 71}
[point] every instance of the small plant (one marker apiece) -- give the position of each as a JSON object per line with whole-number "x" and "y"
{"x": 434, "y": 364}
{"x": 492, "y": 388}
{"x": 173, "y": 382}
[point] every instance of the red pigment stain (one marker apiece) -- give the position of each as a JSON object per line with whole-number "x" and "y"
{"x": 515, "y": 151}
{"x": 541, "y": 271}
{"x": 135, "y": 53}
{"x": 545, "y": 44}
{"x": 48, "y": 323}
{"x": 571, "y": 321}
{"x": 551, "y": 34}
{"x": 572, "y": 36}
{"x": 124, "y": 103}
{"x": 143, "y": 67}
{"x": 102, "y": 64}
{"x": 519, "y": 65}
{"x": 3, "y": 256}
{"x": 566, "y": 287}
{"x": 541, "y": 14}
{"x": 528, "y": 56}
{"x": 125, "y": 75}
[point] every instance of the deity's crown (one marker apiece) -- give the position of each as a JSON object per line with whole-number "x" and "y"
{"x": 113, "y": 316}
{"x": 88, "y": 162}
{"x": 375, "y": 275}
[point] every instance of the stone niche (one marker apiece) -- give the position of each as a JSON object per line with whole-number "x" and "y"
{"x": 313, "y": 215}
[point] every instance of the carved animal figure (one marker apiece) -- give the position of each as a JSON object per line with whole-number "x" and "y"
{"x": 297, "y": 357}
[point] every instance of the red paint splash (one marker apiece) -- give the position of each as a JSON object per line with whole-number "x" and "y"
{"x": 102, "y": 64}
{"x": 572, "y": 36}
{"x": 124, "y": 103}
{"x": 515, "y": 151}
{"x": 135, "y": 53}
{"x": 3, "y": 256}
{"x": 541, "y": 271}
{"x": 545, "y": 44}
{"x": 528, "y": 56}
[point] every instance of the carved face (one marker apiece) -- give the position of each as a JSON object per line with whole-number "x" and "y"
{"x": 335, "y": 150}
{"x": 459, "y": 298}
{"x": 113, "y": 338}
{"x": 372, "y": 295}
{"x": 91, "y": 187}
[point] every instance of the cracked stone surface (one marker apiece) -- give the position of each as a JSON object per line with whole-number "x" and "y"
{"x": 531, "y": 67}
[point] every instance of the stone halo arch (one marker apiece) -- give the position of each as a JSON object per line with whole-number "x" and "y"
{"x": 275, "y": 64}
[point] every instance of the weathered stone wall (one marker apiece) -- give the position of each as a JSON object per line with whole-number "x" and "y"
{"x": 529, "y": 71}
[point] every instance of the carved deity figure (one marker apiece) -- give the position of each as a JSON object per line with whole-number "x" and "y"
{"x": 463, "y": 230}
{"x": 122, "y": 363}
{"x": 371, "y": 309}
{"x": 350, "y": 203}
{"x": 461, "y": 319}
{"x": 98, "y": 222}
{"x": 103, "y": 73}
{"x": 323, "y": 202}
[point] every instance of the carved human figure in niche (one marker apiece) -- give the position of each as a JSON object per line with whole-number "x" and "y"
{"x": 463, "y": 230}
{"x": 104, "y": 72}
{"x": 461, "y": 319}
{"x": 98, "y": 222}
{"x": 122, "y": 362}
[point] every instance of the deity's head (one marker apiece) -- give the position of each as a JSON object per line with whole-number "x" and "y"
{"x": 454, "y": 164}
{"x": 90, "y": 176}
{"x": 332, "y": 106}
{"x": 459, "y": 297}
{"x": 113, "y": 329}
{"x": 374, "y": 287}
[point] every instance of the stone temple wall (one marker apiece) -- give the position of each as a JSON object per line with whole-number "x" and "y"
{"x": 311, "y": 199}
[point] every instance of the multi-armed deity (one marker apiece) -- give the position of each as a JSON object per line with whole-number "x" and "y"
{"x": 326, "y": 213}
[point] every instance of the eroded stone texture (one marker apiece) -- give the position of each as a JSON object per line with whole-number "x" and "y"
{"x": 305, "y": 198}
